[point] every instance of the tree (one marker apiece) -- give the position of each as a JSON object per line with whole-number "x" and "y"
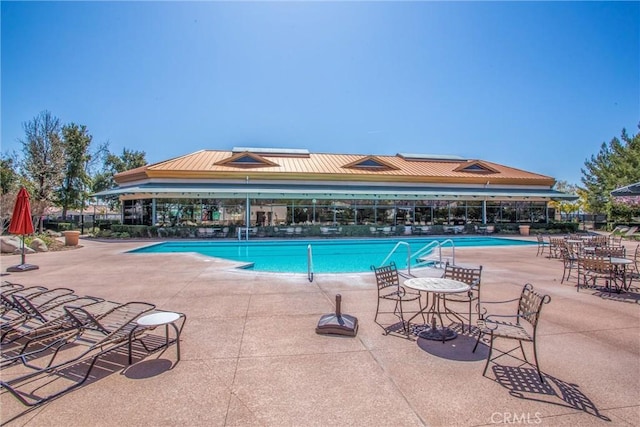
{"x": 43, "y": 162}
{"x": 617, "y": 164}
{"x": 564, "y": 206}
{"x": 9, "y": 184}
{"x": 76, "y": 180}
{"x": 113, "y": 164}
{"x": 9, "y": 177}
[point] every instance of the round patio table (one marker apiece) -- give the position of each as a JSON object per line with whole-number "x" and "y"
{"x": 438, "y": 287}
{"x": 620, "y": 266}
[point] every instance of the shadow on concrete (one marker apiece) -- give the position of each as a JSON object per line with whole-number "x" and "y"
{"x": 39, "y": 389}
{"x": 459, "y": 348}
{"x": 524, "y": 383}
{"x": 627, "y": 296}
{"x": 148, "y": 369}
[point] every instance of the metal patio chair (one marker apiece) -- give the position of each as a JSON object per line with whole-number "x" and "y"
{"x": 389, "y": 289}
{"x": 555, "y": 245}
{"x": 541, "y": 245}
{"x": 593, "y": 268}
{"x": 522, "y": 328}
{"x": 472, "y": 277}
{"x": 569, "y": 260}
{"x": 611, "y": 251}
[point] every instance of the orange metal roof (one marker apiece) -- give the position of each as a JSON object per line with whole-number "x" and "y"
{"x": 210, "y": 164}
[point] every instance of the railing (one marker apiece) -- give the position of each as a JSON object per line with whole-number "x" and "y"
{"x": 426, "y": 249}
{"x": 394, "y": 250}
{"x": 429, "y": 248}
{"x": 309, "y": 263}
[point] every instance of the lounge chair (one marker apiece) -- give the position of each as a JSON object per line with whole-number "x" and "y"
{"x": 47, "y": 317}
{"x": 8, "y": 287}
{"x": 18, "y": 303}
{"x": 631, "y": 231}
{"x": 98, "y": 334}
{"x": 7, "y": 303}
{"x": 620, "y": 229}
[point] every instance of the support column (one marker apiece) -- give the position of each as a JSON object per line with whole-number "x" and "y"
{"x": 484, "y": 212}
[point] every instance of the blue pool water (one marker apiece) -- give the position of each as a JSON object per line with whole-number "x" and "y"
{"x": 329, "y": 256}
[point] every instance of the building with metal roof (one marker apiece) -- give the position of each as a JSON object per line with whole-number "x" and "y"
{"x": 295, "y": 186}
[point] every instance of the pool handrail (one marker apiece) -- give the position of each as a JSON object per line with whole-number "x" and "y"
{"x": 400, "y": 243}
{"x": 309, "y": 263}
{"x": 428, "y": 247}
{"x": 439, "y": 245}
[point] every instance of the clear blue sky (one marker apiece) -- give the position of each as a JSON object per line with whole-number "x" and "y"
{"x": 537, "y": 86}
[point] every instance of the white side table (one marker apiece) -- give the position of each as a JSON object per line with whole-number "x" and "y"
{"x": 153, "y": 320}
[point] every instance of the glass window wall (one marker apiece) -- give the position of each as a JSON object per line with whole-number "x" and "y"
{"x": 175, "y": 212}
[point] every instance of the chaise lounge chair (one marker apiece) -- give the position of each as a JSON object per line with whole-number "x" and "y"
{"x": 37, "y": 320}
{"x": 14, "y": 304}
{"x": 97, "y": 334}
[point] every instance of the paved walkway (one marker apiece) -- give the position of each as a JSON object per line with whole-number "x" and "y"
{"x": 251, "y": 357}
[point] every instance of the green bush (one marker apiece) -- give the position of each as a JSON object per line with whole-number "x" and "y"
{"x": 48, "y": 240}
{"x": 105, "y": 224}
{"x": 104, "y": 233}
{"x": 58, "y": 225}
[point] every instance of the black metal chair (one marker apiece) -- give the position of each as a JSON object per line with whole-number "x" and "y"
{"x": 634, "y": 269}
{"x": 541, "y": 245}
{"x": 570, "y": 260}
{"x": 592, "y": 268}
{"x": 611, "y": 251}
{"x": 469, "y": 275}
{"x": 389, "y": 289}
{"x": 529, "y": 306}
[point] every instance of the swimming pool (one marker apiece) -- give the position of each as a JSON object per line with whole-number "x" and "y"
{"x": 329, "y": 256}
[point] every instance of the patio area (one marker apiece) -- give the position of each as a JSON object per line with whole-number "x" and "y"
{"x": 250, "y": 355}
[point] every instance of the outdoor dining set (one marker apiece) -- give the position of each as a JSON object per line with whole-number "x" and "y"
{"x": 455, "y": 297}
{"x": 598, "y": 261}
{"x": 436, "y": 308}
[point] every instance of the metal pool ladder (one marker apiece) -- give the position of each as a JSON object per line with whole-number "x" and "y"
{"x": 310, "y": 263}
{"x": 425, "y": 250}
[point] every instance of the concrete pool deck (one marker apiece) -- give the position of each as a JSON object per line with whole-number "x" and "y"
{"x": 251, "y": 357}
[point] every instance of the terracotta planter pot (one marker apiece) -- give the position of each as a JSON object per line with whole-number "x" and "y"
{"x": 524, "y": 229}
{"x": 71, "y": 238}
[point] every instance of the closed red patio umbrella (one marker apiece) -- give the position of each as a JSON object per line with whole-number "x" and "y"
{"x": 21, "y": 223}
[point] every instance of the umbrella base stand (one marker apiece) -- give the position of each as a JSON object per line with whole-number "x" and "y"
{"x": 22, "y": 267}
{"x": 338, "y": 323}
